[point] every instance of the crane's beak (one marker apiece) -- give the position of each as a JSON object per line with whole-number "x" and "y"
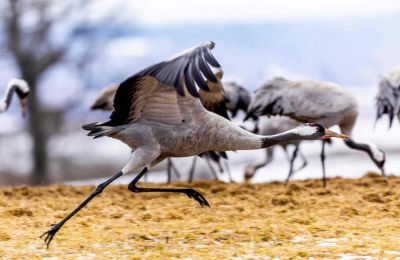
{"x": 23, "y": 106}
{"x": 329, "y": 134}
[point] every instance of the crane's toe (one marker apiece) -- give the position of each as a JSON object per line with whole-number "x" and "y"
{"x": 49, "y": 235}
{"x": 193, "y": 194}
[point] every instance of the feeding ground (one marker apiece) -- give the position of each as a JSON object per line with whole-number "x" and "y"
{"x": 349, "y": 218}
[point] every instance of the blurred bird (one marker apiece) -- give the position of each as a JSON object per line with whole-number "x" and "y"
{"x": 18, "y": 86}
{"x": 238, "y": 98}
{"x": 388, "y": 97}
{"x": 105, "y": 101}
{"x": 158, "y": 113}
{"x": 311, "y": 101}
{"x": 271, "y": 126}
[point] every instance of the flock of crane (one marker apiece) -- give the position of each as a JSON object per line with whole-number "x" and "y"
{"x": 179, "y": 108}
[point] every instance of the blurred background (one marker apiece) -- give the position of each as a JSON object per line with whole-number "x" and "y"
{"x": 68, "y": 50}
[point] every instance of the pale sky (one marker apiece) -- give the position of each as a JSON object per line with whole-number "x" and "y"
{"x": 169, "y": 12}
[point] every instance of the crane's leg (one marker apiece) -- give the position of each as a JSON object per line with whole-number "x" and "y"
{"x": 49, "y": 235}
{"x": 177, "y": 173}
{"x": 228, "y": 170}
{"x": 304, "y": 159}
{"x": 285, "y": 150}
{"x": 168, "y": 170}
{"x": 211, "y": 168}
{"x": 192, "y": 168}
{"x": 220, "y": 168}
{"x": 251, "y": 170}
{"x": 191, "y": 193}
{"x": 292, "y": 159}
{"x": 323, "y": 164}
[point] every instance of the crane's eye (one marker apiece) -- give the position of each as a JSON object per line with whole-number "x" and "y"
{"x": 319, "y": 128}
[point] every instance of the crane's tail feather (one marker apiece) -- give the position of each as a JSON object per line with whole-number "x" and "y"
{"x": 98, "y": 129}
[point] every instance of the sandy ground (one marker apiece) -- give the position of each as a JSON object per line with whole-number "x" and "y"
{"x": 349, "y": 218}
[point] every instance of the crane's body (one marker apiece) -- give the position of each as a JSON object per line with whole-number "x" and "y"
{"x": 158, "y": 113}
{"x": 326, "y": 103}
{"x": 308, "y": 101}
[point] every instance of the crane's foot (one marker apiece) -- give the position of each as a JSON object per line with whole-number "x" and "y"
{"x": 193, "y": 194}
{"x": 49, "y": 235}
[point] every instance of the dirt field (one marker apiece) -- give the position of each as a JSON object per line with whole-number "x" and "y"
{"x": 349, "y": 218}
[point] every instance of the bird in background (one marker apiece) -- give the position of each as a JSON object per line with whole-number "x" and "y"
{"x": 325, "y": 103}
{"x": 271, "y": 126}
{"x": 238, "y": 99}
{"x": 158, "y": 114}
{"x": 105, "y": 100}
{"x": 388, "y": 96}
{"x": 21, "y": 88}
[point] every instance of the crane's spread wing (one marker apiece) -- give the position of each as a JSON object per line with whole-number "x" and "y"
{"x": 152, "y": 92}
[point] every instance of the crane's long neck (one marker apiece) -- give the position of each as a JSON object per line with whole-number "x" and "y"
{"x": 230, "y": 137}
{"x": 377, "y": 156}
{"x": 7, "y": 98}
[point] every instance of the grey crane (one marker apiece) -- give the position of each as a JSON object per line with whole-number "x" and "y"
{"x": 21, "y": 88}
{"x": 388, "y": 97}
{"x": 158, "y": 114}
{"x": 313, "y": 101}
{"x": 104, "y": 101}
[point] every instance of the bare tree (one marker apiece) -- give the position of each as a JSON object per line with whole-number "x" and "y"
{"x": 32, "y": 37}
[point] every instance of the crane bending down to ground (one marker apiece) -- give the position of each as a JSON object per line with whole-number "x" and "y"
{"x": 238, "y": 99}
{"x": 158, "y": 114}
{"x": 271, "y": 126}
{"x": 18, "y": 86}
{"x": 312, "y": 101}
{"x": 388, "y": 97}
{"x": 105, "y": 100}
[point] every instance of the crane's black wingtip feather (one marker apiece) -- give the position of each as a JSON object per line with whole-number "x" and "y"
{"x": 188, "y": 70}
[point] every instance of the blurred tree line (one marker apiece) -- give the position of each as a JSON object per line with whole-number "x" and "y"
{"x": 38, "y": 35}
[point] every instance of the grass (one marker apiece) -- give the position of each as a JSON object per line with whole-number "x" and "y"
{"x": 350, "y": 217}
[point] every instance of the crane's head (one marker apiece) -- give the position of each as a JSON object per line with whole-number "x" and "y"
{"x": 308, "y": 131}
{"x": 315, "y": 131}
{"x": 377, "y": 155}
{"x": 22, "y": 90}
